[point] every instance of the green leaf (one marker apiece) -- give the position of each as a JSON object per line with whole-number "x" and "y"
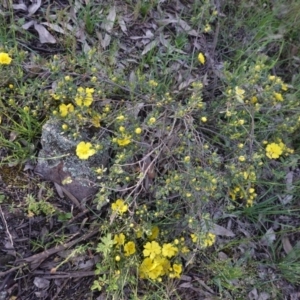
{"x": 105, "y": 245}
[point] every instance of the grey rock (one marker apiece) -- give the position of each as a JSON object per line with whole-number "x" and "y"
{"x": 58, "y": 162}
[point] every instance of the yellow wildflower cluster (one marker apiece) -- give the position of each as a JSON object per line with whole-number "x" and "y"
{"x": 205, "y": 241}
{"x": 275, "y": 150}
{"x": 124, "y": 140}
{"x": 5, "y": 59}
{"x": 128, "y": 248}
{"x": 278, "y": 81}
{"x": 157, "y": 261}
{"x": 119, "y": 206}
{"x": 65, "y": 109}
{"x": 84, "y": 97}
{"x": 247, "y": 195}
{"x": 209, "y": 240}
{"x": 244, "y": 191}
{"x": 153, "y": 83}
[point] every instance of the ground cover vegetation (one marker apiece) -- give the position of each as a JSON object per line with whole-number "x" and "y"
{"x": 200, "y": 100}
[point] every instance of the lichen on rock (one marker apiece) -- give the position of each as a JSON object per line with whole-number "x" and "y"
{"x": 57, "y": 160}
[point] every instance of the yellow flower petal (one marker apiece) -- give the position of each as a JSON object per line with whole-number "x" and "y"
{"x": 201, "y": 58}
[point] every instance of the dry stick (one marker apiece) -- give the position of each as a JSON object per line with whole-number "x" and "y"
{"x": 38, "y": 258}
{"x": 43, "y": 255}
{"x": 6, "y": 227}
{"x": 65, "y": 275}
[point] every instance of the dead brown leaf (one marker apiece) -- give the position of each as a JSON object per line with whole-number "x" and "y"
{"x": 149, "y": 47}
{"x": 221, "y": 231}
{"x": 110, "y": 20}
{"x": 41, "y": 283}
{"x": 287, "y": 247}
{"x": 122, "y": 25}
{"x": 20, "y": 6}
{"x": 44, "y": 35}
{"x": 36, "y": 4}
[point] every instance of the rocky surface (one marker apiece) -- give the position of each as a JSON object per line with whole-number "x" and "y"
{"x": 57, "y": 160}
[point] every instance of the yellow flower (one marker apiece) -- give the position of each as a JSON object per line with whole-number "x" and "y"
{"x": 201, "y": 58}
{"x": 204, "y": 119}
{"x": 138, "y": 130}
{"x": 106, "y": 108}
{"x": 164, "y": 263}
{"x": 168, "y": 250}
{"x": 187, "y": 159}
{"x": 84, "y": 97}
{"x": 5, "y": 59}
{"x": 278, "y": 96}
{"x": 65, "y": 109}
{"x": 239, "y": 93}
{"x": 11, "y": 86}
{"x": 129, "y": 248}
{"x": 194, "y": 237}
{"x": 139, "y": 233}
{"x": 242, "y": 158}
{"x": 96, "y": 121}
{"x": 64, "y": 126}
{"x": 207, "y": 28}
{"x": 209, "y": 240}
{"x": 124, "y": 141}
{"x": 152, "y": 121}
{"x": 274, "y": 150}
{"x": 55, "y": 96}
{"x": 84, "y": 150}
{"x": 254, "y": 100}
{"x": 272, "y": 77}
{"x": 88, "y": 100}
{"x": 249, "y": 202}
{"x": 119, "y": 206}
{"x": 154, "y": 233}
{"x": 177, "y": 269}
{"x": 153, "y": 83}
{"x": 150, "y": 269}
{"x": 185, "y": 249}
{"x": 119, "y": 239}
{"x": 117, "y": 258}
{"x": 121, "y": 118}
{"x": 152, "y": 249}
{"x": 89, "y": 91}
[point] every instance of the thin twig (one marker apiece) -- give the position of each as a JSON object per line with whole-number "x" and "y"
{"x": 6, "y": 227}
{"x": 75, "y": 274}
{"x": 38, "y": 258}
